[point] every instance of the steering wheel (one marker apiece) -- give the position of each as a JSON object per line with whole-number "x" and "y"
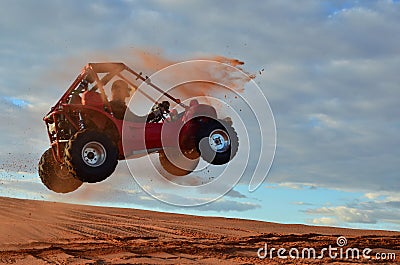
{"x": 159, "y": 110}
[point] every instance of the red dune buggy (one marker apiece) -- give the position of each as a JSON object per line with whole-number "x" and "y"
{"x": 86, "y": 139}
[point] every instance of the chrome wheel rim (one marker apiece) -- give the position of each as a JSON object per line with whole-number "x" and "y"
{"x": 94, "y": 154}
{"x": 219, "y": 141}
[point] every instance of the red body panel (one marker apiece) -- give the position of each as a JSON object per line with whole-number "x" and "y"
{"x": 143, "y": 136}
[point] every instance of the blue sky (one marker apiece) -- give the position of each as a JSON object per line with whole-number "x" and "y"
{"x": 330, "y": 76}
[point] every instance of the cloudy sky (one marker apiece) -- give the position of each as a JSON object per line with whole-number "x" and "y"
{"x": 328, "y": 68}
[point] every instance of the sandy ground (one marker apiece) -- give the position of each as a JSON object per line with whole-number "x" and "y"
{"x": 36, "y": 232}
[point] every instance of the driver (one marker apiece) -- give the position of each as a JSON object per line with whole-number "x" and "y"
{"x": 119, "y": 92}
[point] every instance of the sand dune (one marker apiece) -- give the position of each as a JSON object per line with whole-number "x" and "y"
{"x": 36, "y": 232}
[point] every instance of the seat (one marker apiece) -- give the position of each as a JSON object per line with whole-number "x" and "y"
{"x": 92, "y": 98}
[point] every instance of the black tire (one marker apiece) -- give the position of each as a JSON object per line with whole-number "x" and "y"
{"x": 56, "y": 177}
{"x": 209, "y": 149}
{"x": 91, "y": 156}
{"x": 180, "y": 165}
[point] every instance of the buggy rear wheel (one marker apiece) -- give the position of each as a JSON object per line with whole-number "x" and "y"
{"x": 55, "y": 176}
{"x": 91, "y": 156}
{"x": 217, "y": 142}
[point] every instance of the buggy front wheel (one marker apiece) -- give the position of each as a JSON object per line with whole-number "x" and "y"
{"x": 91, "y": 156}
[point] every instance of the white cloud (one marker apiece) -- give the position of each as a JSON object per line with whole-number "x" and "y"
{"x": 346, "y": 214}
{"x": 329, "y": 221}
{"x": 291, "y": 185}
{"x": 320, "y": 120}
{"x": 301, "y": 203}
{"x": 384, "y": 196}
{"x": 380, "y": 207}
